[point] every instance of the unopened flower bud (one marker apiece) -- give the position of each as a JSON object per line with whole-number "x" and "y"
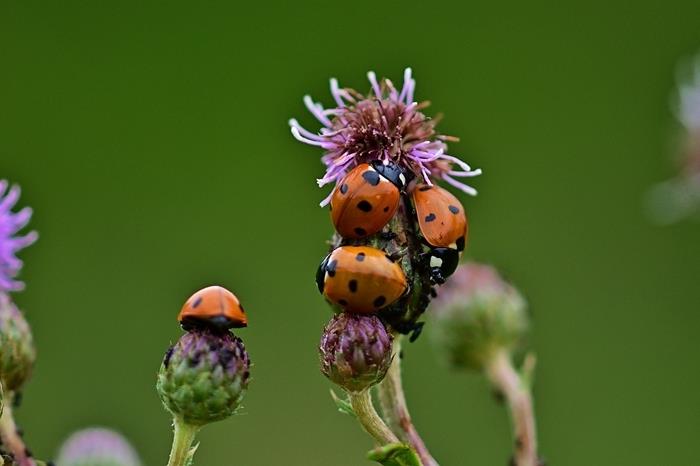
{"x": 204, "y": 376}
{"x": 475, "y": 315}
{"x": 355, "y": 351}
{"x": 18, "y": 353}
{"x": 97, "y": 447}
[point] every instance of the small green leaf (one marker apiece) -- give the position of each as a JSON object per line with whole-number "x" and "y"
{"x": 394, "y": 454}
{"x": 343, "y": 405}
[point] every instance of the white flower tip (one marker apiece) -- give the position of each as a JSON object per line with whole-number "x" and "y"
{"x": 293, "y": 122}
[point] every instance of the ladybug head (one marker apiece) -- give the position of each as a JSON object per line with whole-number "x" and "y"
{"x": 393, "y": 173}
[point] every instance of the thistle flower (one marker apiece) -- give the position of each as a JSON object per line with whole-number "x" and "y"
{"x": 355, "y": 351}
{"x": 97, "y": 447}
{"x": 18, "y": 352}
{"x": 477, "y": 315}
{"x": 10, "y": 224}
{"x": 386, "y": 124}
{"x": 204, "y": 376}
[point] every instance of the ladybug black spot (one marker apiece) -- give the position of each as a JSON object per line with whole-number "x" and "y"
{"x": 343, "y": 188}
{"x": 330, "y": 268}
{"x": 197, "y": 302}
{"x": 386, "y": 209}
{"x": 352, "y": 285}
{"x": 430, "y": 218}
{"x": 371, "y": 177}
{"x": 379, "y": 302}
{"x": 454, "y": 209}
{"x": 364, "y": 206}
{"x": 360, "y": 231}
{"x": 360, "y": 256}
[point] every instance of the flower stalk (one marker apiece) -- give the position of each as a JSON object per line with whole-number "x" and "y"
{"x": 11, "y": 440}
{"x": 515, "y": 387}
{"x": 182, "y": 450}
{"x": 366, "y": 414}
{"x": 395, "y": 408}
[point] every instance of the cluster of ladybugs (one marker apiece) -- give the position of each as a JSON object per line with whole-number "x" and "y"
{"x": 359, "y": 278}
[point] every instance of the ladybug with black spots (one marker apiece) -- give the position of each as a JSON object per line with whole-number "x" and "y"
{"x": 360, "y": 279}
{"x": 367, "y": 198}
{"x": 213, "y": 307}
{"x": 444, "y": 226}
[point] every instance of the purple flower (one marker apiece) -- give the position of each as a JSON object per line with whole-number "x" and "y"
{"x": 386, "y": 124}
{"x": 97, "y": 447}
{"x": 10, "y": 224}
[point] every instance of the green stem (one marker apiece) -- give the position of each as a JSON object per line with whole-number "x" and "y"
{"x": 508, "y": 381}
{"x": 183, "y": 436}
{"x": 9, "y": 436}
{"x": 395, "y": 408}
{"x": 374, "y": 425}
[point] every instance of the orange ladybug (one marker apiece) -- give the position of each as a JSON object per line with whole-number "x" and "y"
{"x": 360, "y": 279}
{"x": 366, "y": 199}
{"x": 441, "y": 217}
{"x": 213, "y": 306}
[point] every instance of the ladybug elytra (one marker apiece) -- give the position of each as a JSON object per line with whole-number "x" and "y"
{"x": 360, "y": 279}
{"x": 213, "y": 306}
{"x": 366, "y": 199}
{"x": 441, "y": 217}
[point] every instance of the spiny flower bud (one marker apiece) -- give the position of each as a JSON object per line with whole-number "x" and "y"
{"x": 355, "y": 351}
{"x": 97, "y": 447}
{"x": 204, "y": 376}
{"x": 477, "y": 314}
{"x": 18, "y": 353}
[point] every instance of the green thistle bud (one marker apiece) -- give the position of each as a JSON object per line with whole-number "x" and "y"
{"x": 18, "y": 353}
{"x": 476, "y": 315}
{"x": 204, "y": 376}
{"x": 355, "y": 351}
{"x": 97, "y": 447}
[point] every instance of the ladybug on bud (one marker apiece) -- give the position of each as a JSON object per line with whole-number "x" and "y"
{"x": 360, "y": 279}
{"x": 367, "y": 198}
{"x": 213, "y": 307}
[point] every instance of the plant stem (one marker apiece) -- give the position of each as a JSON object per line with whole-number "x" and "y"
{"x": 508, "y": 381}
{"x": 374, "y": 425}
{"x": 395, "y": 409}
{"x": 183, "y": 436}
{"x": 10, "y": 438}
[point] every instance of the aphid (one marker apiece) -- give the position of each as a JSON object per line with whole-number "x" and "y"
{"x": 213, "y": 306}
{"x": 360, "y": 279}
{"x": 366, "y": 199}
{"x": 441, "y": 217}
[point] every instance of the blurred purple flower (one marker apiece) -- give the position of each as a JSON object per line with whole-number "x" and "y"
{"x": 10, "y": 224}
{"x": 386, "y": 124}
{"x": 97, "y": 447}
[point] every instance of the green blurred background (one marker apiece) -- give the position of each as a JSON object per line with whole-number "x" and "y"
{"x": 151, "y": 139}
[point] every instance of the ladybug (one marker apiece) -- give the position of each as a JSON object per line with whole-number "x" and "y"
{"x": 366, "y": 199}
{"x": 213, "y": 306}
{"x": 441, "y": 217}
{"x": 360, "y": 279}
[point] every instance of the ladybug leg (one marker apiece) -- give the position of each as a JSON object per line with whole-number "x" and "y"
{"x": 416, "y": 331}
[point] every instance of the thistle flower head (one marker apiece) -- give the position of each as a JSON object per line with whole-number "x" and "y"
{"x": 477, "y": 314}
{"x": 385, "y": 124}
{"x": 355, "y": 351}
{"x": 10, "y": 243}
{"x": 18, "y": 352}
{"x": 97, "y": 447}
{"x": 204, "y": 376}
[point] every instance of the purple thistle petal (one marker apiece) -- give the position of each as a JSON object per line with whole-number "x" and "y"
{"x": 10, "y": 244}
{"x": 384, "y": 125}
